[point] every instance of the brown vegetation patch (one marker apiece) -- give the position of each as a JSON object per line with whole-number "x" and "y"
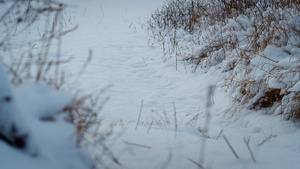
{"x": 271, "y": 96}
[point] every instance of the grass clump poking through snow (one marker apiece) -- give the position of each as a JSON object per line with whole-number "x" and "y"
{"x": 254, "y": 43}
{"x": 38, "y": 59}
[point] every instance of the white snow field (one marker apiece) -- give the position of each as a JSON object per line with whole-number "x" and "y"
{"x": 45, "y": 144}
{"x": 172, "y": 104}
{"x": 122, "y": 57}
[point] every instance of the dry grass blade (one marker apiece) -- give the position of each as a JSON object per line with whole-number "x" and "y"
{"x": 40, "y": 60}
{"x": 138, "y": 145}
{"x": 267, "y": 139}
{"x": 176, "y": 123}
{"x": 247, "y": 140}
{"x": 204, "y": 131}
{"x": 138, "y": 122}
{"x": 234, "y": 34}
{"x": 196, "y": 163}
{"x": 167, "y": 162}
{"x": 150, "y": 125}
{"x": 231, "y": 148}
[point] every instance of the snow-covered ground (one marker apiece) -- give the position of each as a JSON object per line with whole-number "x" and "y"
{"x": 138, "y": 74}
{"x": 45, "y": 143}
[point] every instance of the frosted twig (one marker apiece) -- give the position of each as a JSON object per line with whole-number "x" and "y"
{"x": 219, "y": 134}
{"x": 84, "y": 11}
{"x": 144, "y": 60}
{"x": 150, "y": 126}
{"x": 210, "y": 95}
{"x": 175, "y": 116}
{"x": 139, "y": 145}
{"x": 167, "y": 162}
{"x": 249, "y": 149}
{"x": 137, "y": 124}
{"x": 266, "y": 139}
{"x": 197, "y": 164}
{"x": 231, "y": 148}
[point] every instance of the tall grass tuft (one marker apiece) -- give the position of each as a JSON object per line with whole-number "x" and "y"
{"x": 255, "y": 42}
{"x": 32, "y": 60}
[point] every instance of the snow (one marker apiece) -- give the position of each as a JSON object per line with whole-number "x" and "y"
{"x": 51, "y": 102}
{"x": 13, "y": 127}
{"x": 296, "y": 87}
{"x": 232, "y": 24}
{"x": 49, "y": 144}
{"x": 137, "y": 71}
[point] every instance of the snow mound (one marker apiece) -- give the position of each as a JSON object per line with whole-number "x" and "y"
{"x": 33, "y": 131}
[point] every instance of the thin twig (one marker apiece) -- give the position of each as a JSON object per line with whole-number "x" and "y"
{"x": 219, "y": 134}
{"x": 139, "y": 145}
{"x": 231, "y": 148}
{"x": 210, "y": 95}
{"x": 150, "y": 126}
{"x": 84, "y": 11}
{"x": 144, "y": 60}
{"x": 102, "y": 10}
{"x": 168, "y": 161}
{"x": 249, "y": 149}
{"x": 137, "y": 124}
{"x": 175, "y": 116}
{"x": 266, "y": 139}
{"x": 89, "y": 59}
{"x": 193, "y": 120}
{"x": 197, "y": 164}
{"x": 110, "y": 154}
{"x": 176, "y": 57}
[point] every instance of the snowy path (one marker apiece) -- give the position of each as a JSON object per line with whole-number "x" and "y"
{"x": 118, "y": 52}
{"x": 121, "y": 57}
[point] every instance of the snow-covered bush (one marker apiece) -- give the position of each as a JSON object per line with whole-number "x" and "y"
{"x": 38, "y": 115}
{"x": 32, "y": 121}
{"x": 13, "y": 128}
{"x": 16, "y": 17}
{"x": 255, "y": 43}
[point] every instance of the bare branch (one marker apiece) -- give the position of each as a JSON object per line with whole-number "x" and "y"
{"x": 231, "y": 148}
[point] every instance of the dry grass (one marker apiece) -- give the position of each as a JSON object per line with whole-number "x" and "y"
{"x": 206, "y": 26}
{"x": 270, "y": 97}
{"x": 35, "y": 63}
